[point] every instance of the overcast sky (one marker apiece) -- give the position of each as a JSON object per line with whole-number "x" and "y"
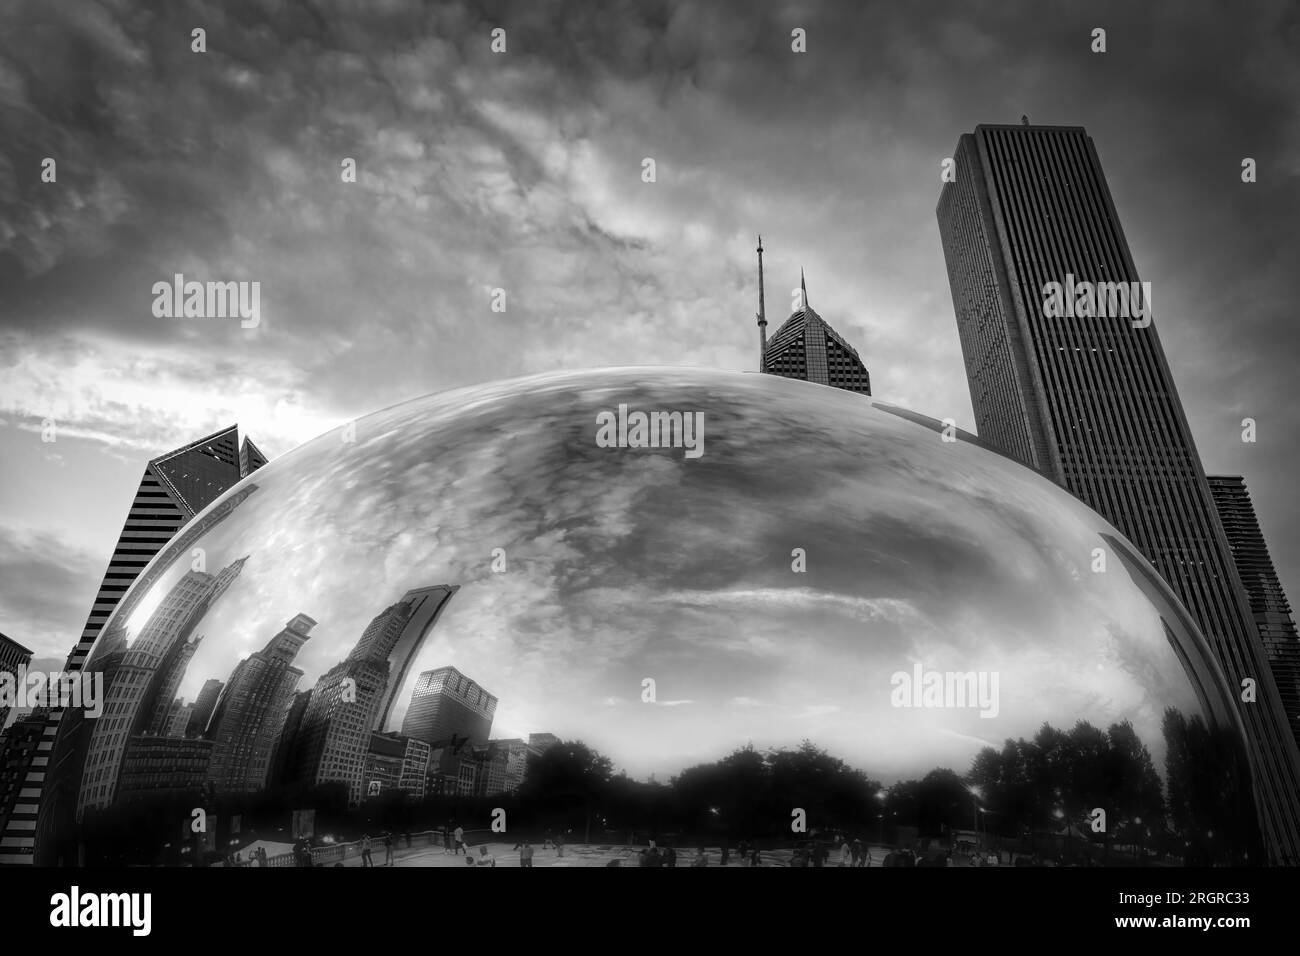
{"x": 522, "y": 171}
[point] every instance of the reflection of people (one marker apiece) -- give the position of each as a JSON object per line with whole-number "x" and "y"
{"x": 458, "y": 836}
{"x": 365, "y": 850}
{"x": 701, "y": 859}
{"x": 485, "y": 858}
{"x": 388, "y": 849}
{"x": 526, "y": 855}
{"x": 559, "y": 844}
{"x": 846, "y": 854}
{"x": 446, "y": 839}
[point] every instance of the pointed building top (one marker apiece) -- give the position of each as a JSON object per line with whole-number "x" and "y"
{"x": 1024, "y": 119}
{"x": 804, "y": 287}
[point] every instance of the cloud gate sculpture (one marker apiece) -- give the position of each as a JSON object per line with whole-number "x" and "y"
{"x": 680, "y": 605}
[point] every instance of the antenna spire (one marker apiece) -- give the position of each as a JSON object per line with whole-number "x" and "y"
{"x": 762, "y": 310}
{"x": 804, "y": 287}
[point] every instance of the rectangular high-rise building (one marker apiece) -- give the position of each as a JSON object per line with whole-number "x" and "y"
{"x": 445, "y": 705}
{"x": 1268, "y": 603}
{"x": 1067, "y": 374}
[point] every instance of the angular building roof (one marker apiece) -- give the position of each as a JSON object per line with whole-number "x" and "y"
{"x": 806, "y": 347}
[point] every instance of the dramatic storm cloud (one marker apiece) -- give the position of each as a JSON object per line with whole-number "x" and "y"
{"x": 522, "y": 171}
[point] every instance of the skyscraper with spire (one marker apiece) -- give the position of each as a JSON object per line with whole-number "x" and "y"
{"x": 806, "y": 347}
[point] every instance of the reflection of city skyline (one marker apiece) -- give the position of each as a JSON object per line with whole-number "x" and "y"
{"x": 254, "y": 728}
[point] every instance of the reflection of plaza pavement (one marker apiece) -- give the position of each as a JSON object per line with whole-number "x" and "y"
{"x": 506, "y": 855}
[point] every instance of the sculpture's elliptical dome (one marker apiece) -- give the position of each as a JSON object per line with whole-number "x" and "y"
{"x": 804, "y": 565}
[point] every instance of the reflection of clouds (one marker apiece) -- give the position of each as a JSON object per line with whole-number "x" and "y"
{"x": 796, "y": 600}
{"x": 622, "y": 565}
{"x": 817, "y": 710}
{"x": 977, "y": 742}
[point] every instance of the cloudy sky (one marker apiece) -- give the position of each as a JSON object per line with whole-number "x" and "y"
{"x": 522, "y": 171}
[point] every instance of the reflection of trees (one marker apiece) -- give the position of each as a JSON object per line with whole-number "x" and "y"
{"x": 1052, "y": 783}
{"x": 1032, "y": 795}
{"x": 1210, "y": 799}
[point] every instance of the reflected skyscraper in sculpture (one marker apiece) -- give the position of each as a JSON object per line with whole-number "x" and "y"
{"x": 352, "y": 699}
{"x": 249, "y": 718}
{"x": 1088, "y": 399}
{"x": 142, "y": 671}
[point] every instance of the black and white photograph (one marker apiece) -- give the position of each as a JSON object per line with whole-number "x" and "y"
{"x": 420, "y": 449}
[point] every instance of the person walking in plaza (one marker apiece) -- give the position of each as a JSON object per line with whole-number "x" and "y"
{"x": 458, "y": 836}
{"x": 365, "y": 850}
{"x": 526, "y": 856}
{"x": 388, "y": 848}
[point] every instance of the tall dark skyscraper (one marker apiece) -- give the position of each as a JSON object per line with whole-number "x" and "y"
{"x": 1268, "y": 603}
{"x": 251, "y": 713}
{"x": 806, "y": 347}
{"x": 174, "y": 488}
{"x": 204, "y": 704}
{"x": 1089, "y": 400}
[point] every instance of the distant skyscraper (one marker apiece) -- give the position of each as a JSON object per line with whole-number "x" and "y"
{"x": 284, "y": 763}
{"x": 1090, "y": 401}
{"x": 250, "y": 715}
{"x": 447, "y": 704}
{"x": 543, "y": 742}
{"x": 1268, "y": 603}
{"x": 400, "y": 637}
{"x": 174, "y": 488}
{"x": 204, "y": 704}
{"x": 353, "y": 698}
{"x": 453, "y": 715}
{"x": 507, "y": 763}
{"x": 12, "y": 657}
{"x": 806, "y": 347}
{"x": 179, "y": 720}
